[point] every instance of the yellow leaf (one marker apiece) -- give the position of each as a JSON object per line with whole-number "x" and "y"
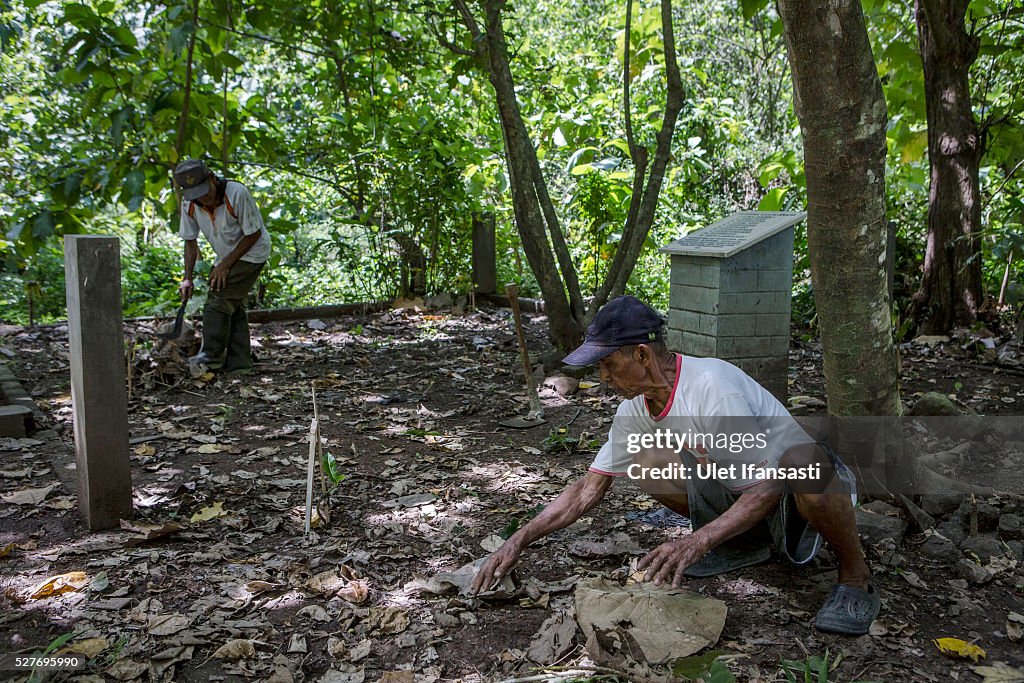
{"x": 57, "y": 585}
{"x": 959, "y": 648}
{"x": 208, "y": 448}
{"x": 144, "y": 449}
{"x": 207, "y": 513}
{"x": 90, "y": 647}
{"x": 7, "y": 549}
{"x": 587, "y": 385}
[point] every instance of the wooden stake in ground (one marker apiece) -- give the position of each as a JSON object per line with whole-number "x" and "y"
{"x": 314, "y": 440}
{"x": 535, "y": 417}
{"x": 99, "y": 402}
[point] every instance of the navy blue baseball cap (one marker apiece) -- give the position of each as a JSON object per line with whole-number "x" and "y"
{"x": 622, "y": 321}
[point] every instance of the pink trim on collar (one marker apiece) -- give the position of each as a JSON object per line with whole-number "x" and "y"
{"x": 668, "y": 406}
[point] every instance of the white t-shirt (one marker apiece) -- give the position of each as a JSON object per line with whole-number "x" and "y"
{"x": 711, "y": 396}
{"x": 237, "y": 217}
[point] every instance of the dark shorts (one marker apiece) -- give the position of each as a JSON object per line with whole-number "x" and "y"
{"x": 784, "y": 528}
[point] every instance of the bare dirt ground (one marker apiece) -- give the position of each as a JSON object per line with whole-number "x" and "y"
{"x": 410, "y": 403}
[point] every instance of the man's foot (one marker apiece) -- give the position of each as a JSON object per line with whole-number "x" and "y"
{"x": 848, "y": 610}
{"x": 204, "y": 360}
{"x": 726, "y": 558}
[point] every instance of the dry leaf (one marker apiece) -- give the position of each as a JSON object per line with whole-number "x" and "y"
{"x": 663, "y": 623}
{"x": 166, "y": 624}
{"x": 90, "y": 647}
{"x": 208, "y": 513}
{"x": 389, "y": 619}
{"x": 355, "y": 592}
{"x": 361, "y": 651}
{"x": 955, "y": 647}
{"x": 210, "y": 448}
{"x": 405, "y": 676}
{"x": 239, "y": 648}
{"x": 999, "y": 673}
{"x": 5, "y": 551}
{"x": 148, "y": 532}
{"x": 57, "y": 585}
{"x": 144, "y": 449}
{"x": 28, "y": 496}
{"x": 126, "y": 670}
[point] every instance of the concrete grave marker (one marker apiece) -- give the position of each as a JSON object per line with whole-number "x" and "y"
{"x": 92, "y": 266}
{"x": 730, "y": 293}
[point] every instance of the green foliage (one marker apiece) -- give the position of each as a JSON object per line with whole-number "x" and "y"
{"x": 370, "y": 147}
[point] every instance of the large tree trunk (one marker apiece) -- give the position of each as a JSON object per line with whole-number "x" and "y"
{"x": 950, "y": 291}
{"x": 843, "y": 116}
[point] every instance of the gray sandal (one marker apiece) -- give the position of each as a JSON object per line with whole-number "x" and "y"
{"x": 848, "y": 610}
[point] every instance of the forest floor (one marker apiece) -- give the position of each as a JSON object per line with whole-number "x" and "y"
{"x": 410, "y": 403}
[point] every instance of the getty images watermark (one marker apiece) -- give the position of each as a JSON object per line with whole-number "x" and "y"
{"x": 670, "y": 442}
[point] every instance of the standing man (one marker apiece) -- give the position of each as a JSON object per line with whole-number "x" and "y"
{"x": 710, "y": 443}
{"x": 225, "y": 212}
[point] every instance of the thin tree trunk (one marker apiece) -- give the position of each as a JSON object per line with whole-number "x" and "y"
{"x": 843, "y": 117}
{"x": 564, "y": 326}
{"x": 643, "y": 202}
{"x": 950, "y": 291}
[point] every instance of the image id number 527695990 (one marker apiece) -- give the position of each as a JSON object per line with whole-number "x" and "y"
{"x": 66, "y": 662}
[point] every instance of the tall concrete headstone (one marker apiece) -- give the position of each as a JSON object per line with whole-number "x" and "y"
{"x": 99, "y": 399}
{"x": 730, "y": 293}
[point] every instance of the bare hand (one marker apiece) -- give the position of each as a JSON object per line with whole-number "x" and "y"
{"x": 219, "y": 277}
{"x": 669, "y": 560}
{"x": 497, "y": 566}
{"x": 185, "y": 289}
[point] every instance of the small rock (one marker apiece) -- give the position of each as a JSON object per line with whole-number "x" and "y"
{"x": 941, "y": 504}
{"x": 983, "y": 546}
{"x": 445, "y": 620}
{"x": 575, "y": 371}
{"x": 953, "y": 529}
{"x": 940, "y": 549}
{"x": 1009, "y": 527}
{"x": 316, "y": 324}
{"x": 934, "y": 404}
{"x": 551, "y": 360}
{"x": 971, "y": 572}
{"x": 875, "y": 527}
{"x": 563, "y": 386}
{"x": 438, "y": 301}
{"x": 297, "y": 643}
{"x": 1016, "y": 549}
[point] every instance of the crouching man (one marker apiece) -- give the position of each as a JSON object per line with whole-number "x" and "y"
{"x": 710, "y": 443}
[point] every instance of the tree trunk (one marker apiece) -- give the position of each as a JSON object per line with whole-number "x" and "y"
{"x": 564, "y": 318}
{"x": 842, "y": 115}
{"x": 536, "y": 220}
{"x": 950, "y": 291}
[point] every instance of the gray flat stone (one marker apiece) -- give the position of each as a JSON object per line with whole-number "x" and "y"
{"x": 563, "y": 386}
{"x": 14, "y": 420}
{"x": 940, "y": 549}
{"x": 972, "y": 573}
{"x": 1009, "y": 527}
{"x": 941, "y": 504}
{"x": 874, "y": 527}
{"x": 984, "y": 546}
{"x": 954, "y": 530}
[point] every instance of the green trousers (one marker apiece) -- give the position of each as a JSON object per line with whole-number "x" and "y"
{"x": 225, "y": 324}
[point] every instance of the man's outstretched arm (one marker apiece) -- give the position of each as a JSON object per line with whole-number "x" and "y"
{"x": 571, "y": 504}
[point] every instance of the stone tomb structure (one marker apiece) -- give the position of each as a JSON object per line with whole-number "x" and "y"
{"x": 730, "y": 293}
